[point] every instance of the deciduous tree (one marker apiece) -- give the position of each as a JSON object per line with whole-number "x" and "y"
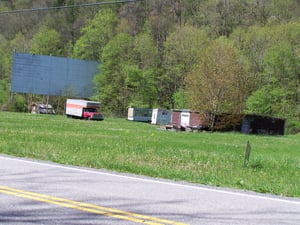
{"x": 220, "y": 82}
{"x": 46, "y": 42}
{"x": 111, "y": 85}
{"x": 279, "y": 93}
{"x": 182, "y": 49}
{"x": 95, "y": 35}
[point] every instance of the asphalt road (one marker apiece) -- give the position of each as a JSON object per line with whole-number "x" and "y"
{"x": 35, "y": 192}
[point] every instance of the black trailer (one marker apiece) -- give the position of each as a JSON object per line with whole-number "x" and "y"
{"x": 258, "y": 124}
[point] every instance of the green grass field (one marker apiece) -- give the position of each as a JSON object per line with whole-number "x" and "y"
{"x": 117, "y": 144}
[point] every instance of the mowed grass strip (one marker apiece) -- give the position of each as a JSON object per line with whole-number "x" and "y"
{"x": 117, "y": 144}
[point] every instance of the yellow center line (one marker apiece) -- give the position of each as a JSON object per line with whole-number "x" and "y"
{"x": 110, "y": 212}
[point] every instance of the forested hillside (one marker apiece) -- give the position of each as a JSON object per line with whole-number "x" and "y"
{"x": 221, "y": 56}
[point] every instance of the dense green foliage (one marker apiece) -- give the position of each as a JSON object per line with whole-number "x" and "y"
{"x": 221, "y": 80}
{"x": 117, "y": 144}
{"x": 152, "y": 51}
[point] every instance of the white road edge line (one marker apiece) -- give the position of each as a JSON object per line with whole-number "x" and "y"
{"x": 93, "y": 171}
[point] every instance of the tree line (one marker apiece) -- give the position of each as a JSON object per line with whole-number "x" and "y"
{"x": 221, "y": 56}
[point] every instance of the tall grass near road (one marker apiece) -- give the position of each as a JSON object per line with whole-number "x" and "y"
{"x": 116, "y": 144}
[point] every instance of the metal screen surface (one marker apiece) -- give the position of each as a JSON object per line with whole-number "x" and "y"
{"x": 50, "y": 75}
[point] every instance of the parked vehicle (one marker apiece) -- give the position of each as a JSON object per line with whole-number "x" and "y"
{"x": 83, "y": 109}
{"x": 186, "y": 119}
{"x": 40, "y": 108}
{"x": 139, "y": 114}
{"x": 161, "y": 116}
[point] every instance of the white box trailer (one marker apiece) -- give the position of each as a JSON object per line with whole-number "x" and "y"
{"x": 84, "y": 109}
{"x": 139, "y": 114}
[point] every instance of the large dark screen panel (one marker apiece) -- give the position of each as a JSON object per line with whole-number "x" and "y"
{"x": 50, "y": 75}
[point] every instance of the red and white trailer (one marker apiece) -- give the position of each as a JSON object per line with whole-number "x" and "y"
{"x": 185, "y": 119}
{"x": 83, "y": 109}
